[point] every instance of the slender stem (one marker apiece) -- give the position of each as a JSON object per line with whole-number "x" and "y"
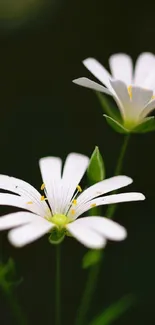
{"x": 57, "y": 292}
{"x": 112, "y": 208}
{"x": 14, "y": 305}
{"x": 87, "y": 295}
{"x": 122, "y": 154}
{"x": 94, "y": 270}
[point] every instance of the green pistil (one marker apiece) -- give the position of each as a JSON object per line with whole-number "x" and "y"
{"x": 59, "y": 220}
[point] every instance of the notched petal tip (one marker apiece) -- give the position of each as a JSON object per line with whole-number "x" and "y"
{"x": 88, "y": 60}
{"x": 13, "y": 241}
{"x": 123, "y": 234}
{"x": 78, "y": 80}
{"x": 126, "y": 179}
{"x": 140, "y": 197}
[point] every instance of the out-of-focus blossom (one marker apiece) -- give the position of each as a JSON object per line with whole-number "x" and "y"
{"x": 132, "y": 89}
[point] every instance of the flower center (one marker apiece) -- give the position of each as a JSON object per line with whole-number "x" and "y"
{"x": 59, "y": 219}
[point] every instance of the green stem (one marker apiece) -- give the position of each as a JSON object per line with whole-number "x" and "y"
{"x": 88, "y": 294}
{"x": 57, "y": 292}
{"x": 94, "y": 270}
{"x": 122, "y": 154}
{"x": 14, "y": 305}
{"x": 112, "y": 208}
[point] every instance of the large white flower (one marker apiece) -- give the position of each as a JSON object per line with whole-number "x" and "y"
{"x": 62, "y": 204}
{"x": 132, "y": 89}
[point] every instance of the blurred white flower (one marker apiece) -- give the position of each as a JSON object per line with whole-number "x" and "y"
{"x": 62, "y": 204}
{"x": 132, "y": 89}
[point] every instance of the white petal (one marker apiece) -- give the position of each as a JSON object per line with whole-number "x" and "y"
{"x": 28, "y": 233}
{"x": 105, "y": 227}
{"x": 85, "y": 82}
{"x": 98, "y": 71}
{"x": 140, "y": 98}
{"x": 105, "y": 186}
{"x": 51, "y": 174}
{"x": 24, "y": 189}
{"x": 124, "y": 102}
{"x": 121, "y": 67}
{"x": 109, "y": 199}
{"x": 144, "y": 66}
{"x": 148, "y": 109}
{"x": 23, "y": 203}
{"x": 150, "y": 81}
{"x": 85, "y": 235}
{"x": 74, "y": 169}
{"x": 16, "y": 219}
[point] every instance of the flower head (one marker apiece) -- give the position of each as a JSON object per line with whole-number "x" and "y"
{"x": 57, "y": 211}
{"x": 132, "y": 89}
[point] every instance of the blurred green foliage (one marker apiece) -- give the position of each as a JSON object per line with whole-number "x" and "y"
{"x": 8, "y": 275}
{"x": 114, "y": 311}
{"x": 13, "y": 9}
{"x": 91, "y": 258}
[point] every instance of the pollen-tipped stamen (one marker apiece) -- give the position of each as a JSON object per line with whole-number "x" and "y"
{"x": 130, "y": 91}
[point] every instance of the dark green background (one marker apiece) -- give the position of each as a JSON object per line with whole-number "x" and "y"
{"x": 43, "y": 113}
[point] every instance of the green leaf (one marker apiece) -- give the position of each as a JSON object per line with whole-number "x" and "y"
{"x": 91, "y": 258}
{"x": 147, "y": 125}
{"x": 96, "y": 169}
{"x": 108, "y": 107}
{"x": 114, "y": 311}
{"x": 118, "y": 127}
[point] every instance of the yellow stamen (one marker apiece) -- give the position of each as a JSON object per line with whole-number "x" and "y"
{"x": 74, "y": 202}
{"x": 42, "y": 186}
{"x": 79, "y": 188}
{"x": 43, "y": 198}
{"x": 30, "y": 202}
{"x": 153, "y": 97}
{"x": 130, "y": 91}
{"x": 93, "y": 205}
{"x": 72, "y": 212}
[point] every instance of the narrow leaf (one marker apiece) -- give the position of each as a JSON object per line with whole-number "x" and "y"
{"x": 114, "y": 311}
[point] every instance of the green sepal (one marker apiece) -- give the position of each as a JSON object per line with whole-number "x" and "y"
{"x": 113, "y": 312}
{"x": 148, "y": 125}
{"x": 108, "y": 107}
{"x": 96, "y": 169}
{"x": 117, "y": 126}
{"x": 57, "y": 235}
{"x": 91, "y": 258}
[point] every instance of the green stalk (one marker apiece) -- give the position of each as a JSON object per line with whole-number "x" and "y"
{"x": 112, "y": 207}
{"x": 94, "y": 270}
{"x": 57, "y": 292}
{"x": 88, "y": 294}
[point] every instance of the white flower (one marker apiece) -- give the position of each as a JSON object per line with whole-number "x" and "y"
{"x": 65, "y": 204}
{"x": 133, "y": 91}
